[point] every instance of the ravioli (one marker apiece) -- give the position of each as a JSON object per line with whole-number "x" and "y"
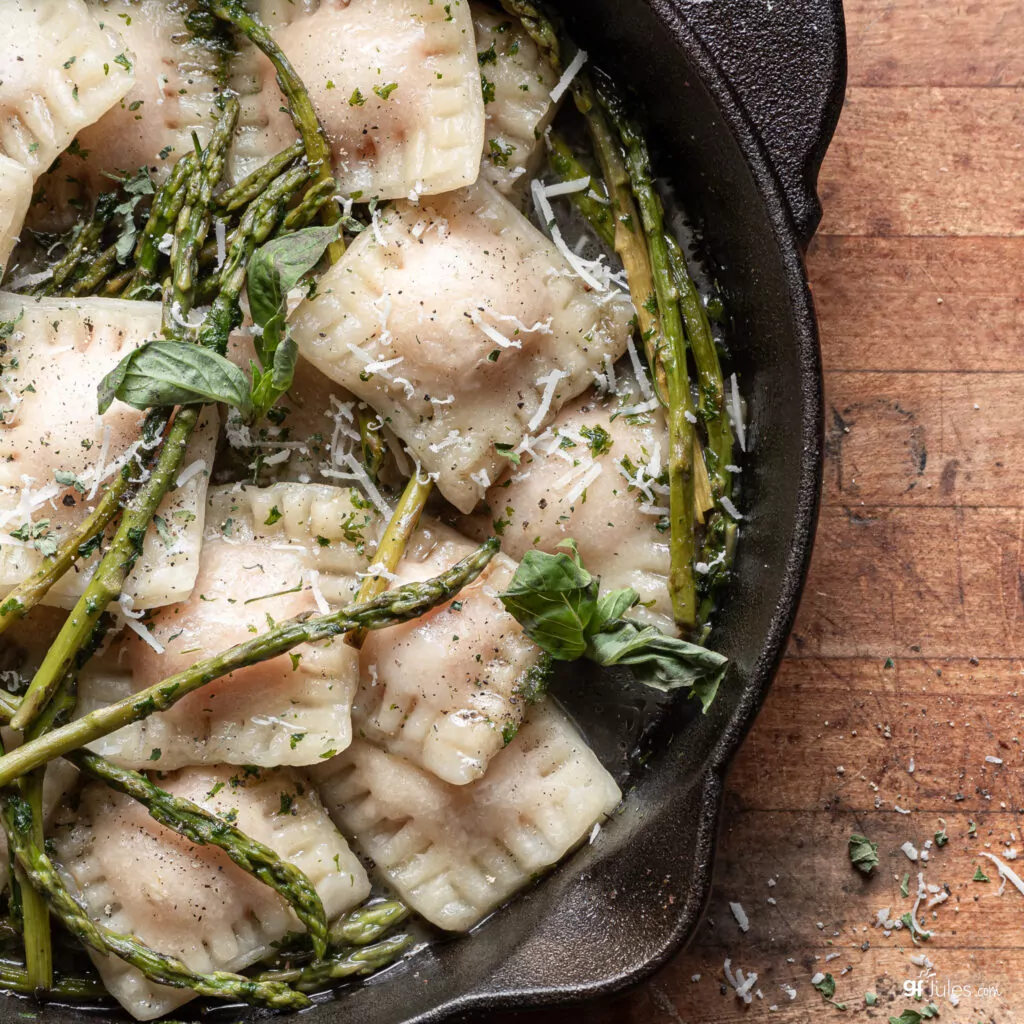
{"x": 395, "y": 83}
{"x": 173, "y": 96}
{"x": 460, "y": 323}
{"x": 15, "y": 197}
{"x": 517, "y": 90}
{"x": 134, "y": 875}
{"x": 455, "y": 853}
{"x": 58, "y": 352}
{"x": 445, "y": 690}
{"x": 600, "y": 478}
{"x": 59, "y": 72}
{"x": 269, "y": 554}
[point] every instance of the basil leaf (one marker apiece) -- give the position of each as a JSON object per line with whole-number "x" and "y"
{"x": 863, "y": 853}
{"x": 277, "y": 267}
{"x": 663, "y": 662}
{"x": 554, "y": 598}
{"x": 283, "y": 372}
{"x": 557, "y": 603}
{"x": 614, "y": 605}
{"x": 174, "y": 373}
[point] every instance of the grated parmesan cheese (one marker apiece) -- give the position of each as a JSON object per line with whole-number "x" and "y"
{"x": 568, "y": 75}
{"x": 549, "y": 382}
{"x": 564, "y": 188}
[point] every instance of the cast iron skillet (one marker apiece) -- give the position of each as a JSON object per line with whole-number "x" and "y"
{"x": 741, "y": 98}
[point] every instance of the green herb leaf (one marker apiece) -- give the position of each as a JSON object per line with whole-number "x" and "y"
{"x": 507, "y": 451}
{"x": 827, "y": 988}
{"x": 863, "y": 853}
{"x": 554, "y": 598}
{"x": 557, "y": 602}
{"x": 66, "y": 479}
{"x": 909, "y": 1016}
{"x": 174, "y": 373}
{"x": 274, "y": 270}
{"x": 277, "y": 267}
{"x": 979, "y": 875}
{"x": 659, "y": 661}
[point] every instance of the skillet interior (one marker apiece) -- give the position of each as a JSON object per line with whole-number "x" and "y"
{"x": 620, "y": 907}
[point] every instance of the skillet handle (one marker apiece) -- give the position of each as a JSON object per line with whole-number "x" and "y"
{"x": 786, "y": 62}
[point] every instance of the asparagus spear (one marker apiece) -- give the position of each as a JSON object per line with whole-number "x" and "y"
{"x": 86, "y": 241}
{"x": 202, "y": 827}
{"x": 257, "y": 223}
{"x": 367, "y": 924}
{"x": 254, "y": 184}
{"x": 311, "y": 206}
{"x": 409, "y": 601}
{"x": 359, "y": 927}
{"x": 194, "y": 218}
{"x": 711, "y": 384}
{"x": 158, "y": 967}
{"x": 396, "y": 536}
{"x": 163, "y": 214}
{"x": 671, "y": 355}
{"x": 358, "y": 960}
{"x": 314, "y": 138}
{"x": 565, "y": 164}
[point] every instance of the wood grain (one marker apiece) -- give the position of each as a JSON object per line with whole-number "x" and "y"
{"x": 907, "y": 42}
{"x": 919, "y": 304}
{"x": 926, "y": 161}
{"x": 909, "y": 648}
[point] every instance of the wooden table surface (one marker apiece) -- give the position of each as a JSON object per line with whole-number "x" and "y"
{"x": 903, "y": 678}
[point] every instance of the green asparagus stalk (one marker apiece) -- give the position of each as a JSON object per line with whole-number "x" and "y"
{"x": 359, "y": 927}
{"x": 409, "y": 601}
{"x": 346, "y": 964}
{"x": 202, "y": 827}
{"x": 710, "y": 382}
{"x": 256, "y": 183}
{"x": 539, "y": 27}
{"x": 314, "y": 138}
{"x": 65, "y": 988}
{"x": 259, "y": 220}
{"x": 392, "y": 545}
{"x": 194, "y": 218}
{"x": 371, "y": 441}
{"x": 566, "y": 165}
{"x": 88, "y": 238}
{"x": 35, "y": 914}
{"x": 163, "y": 215}
{"x": 671, "y": 356}
{"x": 95, "y": 274}
{"x": 367, "y": 924}
{"x": 158, "y": 967}
{"x": 309, "y": 209}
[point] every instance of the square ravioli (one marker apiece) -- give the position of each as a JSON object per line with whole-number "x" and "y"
{"x": 269, "y": 555}
{"x": 517, "y": 83}
{"x": 447, "y": 689}
{"x": 396, "y": 86}
{"x": 172, "y": 97}
{"x": 455, "y": 853}
{"x": 57, "y": 353}
{"x": 463, "y": 326}
{"x": 600, "y": 478}
{"x": 59, "y": 72}
{"x": 134, "y": 875}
